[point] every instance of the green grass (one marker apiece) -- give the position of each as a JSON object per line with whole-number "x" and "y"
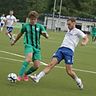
{"x": 57, "y": 83}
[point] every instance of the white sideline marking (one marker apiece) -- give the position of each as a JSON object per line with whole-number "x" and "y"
{"x": 11, "y": 59}
{"x": 86, "y": 71}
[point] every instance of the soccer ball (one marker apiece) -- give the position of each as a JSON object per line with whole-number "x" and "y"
{"x": 12, "y": 77}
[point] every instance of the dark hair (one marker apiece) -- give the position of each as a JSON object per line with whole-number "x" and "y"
{"x": 33, "y": 13}
{"x": 71, "y": 19}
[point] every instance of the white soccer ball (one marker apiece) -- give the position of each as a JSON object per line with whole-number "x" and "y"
{"x": 12, "y": 77}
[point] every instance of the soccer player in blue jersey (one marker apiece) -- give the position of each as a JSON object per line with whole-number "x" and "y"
{"x": 66, "y": 52}
{"x": 32, "y": 32}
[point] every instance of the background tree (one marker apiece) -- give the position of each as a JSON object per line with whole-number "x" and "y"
{"x": 81, "y": 8}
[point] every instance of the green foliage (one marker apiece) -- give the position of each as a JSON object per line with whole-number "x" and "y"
{"x": 81, "y": 8}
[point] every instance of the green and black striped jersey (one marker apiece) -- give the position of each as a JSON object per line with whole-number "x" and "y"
{"x": 32, "y": 34}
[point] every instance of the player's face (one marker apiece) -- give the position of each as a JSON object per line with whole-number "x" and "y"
{"x": 11, "y": 12}
{"x": 33, "y": 20}
{"x": 71, "y": 24}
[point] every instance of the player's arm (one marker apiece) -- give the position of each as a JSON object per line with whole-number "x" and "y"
{"x": 43, "y": 32}
{"x": 84, "y": 40}
{"x": 84, "y": 37}
{"x": 45, "y": 35}
{"x": 15, "y": 20}
{"x": 17, "y": 38}
{"x": 23, "y": 29}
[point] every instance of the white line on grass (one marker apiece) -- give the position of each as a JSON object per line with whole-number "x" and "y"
{"x": 10, "y": 59}
{"x": 86, "y": 71}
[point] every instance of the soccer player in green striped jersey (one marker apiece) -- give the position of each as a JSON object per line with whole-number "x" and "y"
{"x": 32, "y": 32}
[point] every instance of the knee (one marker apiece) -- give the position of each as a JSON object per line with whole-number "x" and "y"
{"x": 28, "y": 60}
{"x": 37, "y": 64}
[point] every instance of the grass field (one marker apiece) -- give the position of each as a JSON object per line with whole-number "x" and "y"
{"x": 57, "y": 83}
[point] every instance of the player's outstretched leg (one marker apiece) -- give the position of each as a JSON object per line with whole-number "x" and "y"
{"x": 74, "y": 76}
{"x": 47, "y": 69}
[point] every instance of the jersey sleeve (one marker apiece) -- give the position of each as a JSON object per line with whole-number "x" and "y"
{"x": 81, "y": 34}
{"x": 23, "y": 29}
{"x": 15, "y": 20}
{"x": 43, "y": 30}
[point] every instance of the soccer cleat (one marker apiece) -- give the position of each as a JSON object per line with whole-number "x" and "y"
{"x": 33, "y": 77}
{"x": 80, "y": 84}
{"x": 19, "y": 78}
{"x": 11, "y": 40}
{"x": 25, "y": 78}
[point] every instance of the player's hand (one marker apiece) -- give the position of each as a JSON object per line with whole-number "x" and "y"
{"x": 47, "y": 36}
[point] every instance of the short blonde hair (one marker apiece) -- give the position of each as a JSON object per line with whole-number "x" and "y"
{"x": 33, "y": 13}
